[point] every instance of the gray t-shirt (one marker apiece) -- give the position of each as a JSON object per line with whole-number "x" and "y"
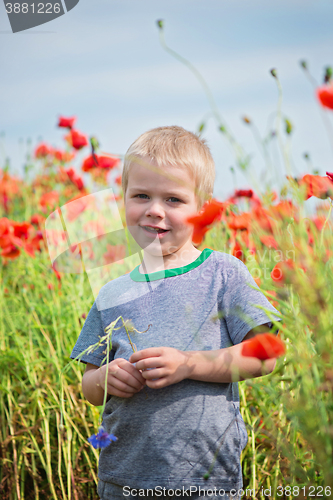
{"x": 169, "y": 437}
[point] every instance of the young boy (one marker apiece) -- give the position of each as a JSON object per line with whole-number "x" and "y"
{"x": 174, "y": 403}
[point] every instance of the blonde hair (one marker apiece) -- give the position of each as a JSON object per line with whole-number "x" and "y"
{"x": 177, "y": 147}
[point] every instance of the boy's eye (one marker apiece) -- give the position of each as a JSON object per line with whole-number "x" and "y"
{"x": 171, "y": 197}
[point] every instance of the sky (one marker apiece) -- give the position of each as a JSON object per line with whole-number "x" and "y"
{"x": 103, "y": 63}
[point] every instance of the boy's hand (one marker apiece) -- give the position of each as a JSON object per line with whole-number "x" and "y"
{"x": 166, "y": 365}
{"x": 124, "y": 379}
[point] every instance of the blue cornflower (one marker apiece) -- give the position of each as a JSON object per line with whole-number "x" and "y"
{"x": 101, "y": 439}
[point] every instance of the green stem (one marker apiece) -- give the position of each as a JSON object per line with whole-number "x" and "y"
{"x": 221, "y": 123}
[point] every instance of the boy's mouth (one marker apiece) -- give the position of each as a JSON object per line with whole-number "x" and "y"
{"x": 154, "y": 231}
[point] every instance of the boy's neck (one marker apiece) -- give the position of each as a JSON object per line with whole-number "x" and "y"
{"x": 153, "y": 264}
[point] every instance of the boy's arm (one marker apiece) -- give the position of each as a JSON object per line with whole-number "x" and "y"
{"x": 221, "y": 366}
{"x": 91, "y": 387}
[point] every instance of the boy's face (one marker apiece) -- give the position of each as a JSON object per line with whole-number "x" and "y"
{"x": 153, "y": 199}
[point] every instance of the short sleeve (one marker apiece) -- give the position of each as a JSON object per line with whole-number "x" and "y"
{"x": 240, "y": 301}
{"x": 90, "y": 334}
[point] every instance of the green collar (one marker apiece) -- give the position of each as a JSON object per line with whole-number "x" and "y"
{"x": 167, "y": 273}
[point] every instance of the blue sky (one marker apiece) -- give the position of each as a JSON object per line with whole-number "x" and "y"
{"x": 102, "y": 62}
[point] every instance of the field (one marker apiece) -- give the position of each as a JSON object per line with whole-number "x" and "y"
{"x": 45, "y": 421}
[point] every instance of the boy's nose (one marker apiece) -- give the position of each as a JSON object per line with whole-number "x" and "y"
{"x": 155, "y": 209}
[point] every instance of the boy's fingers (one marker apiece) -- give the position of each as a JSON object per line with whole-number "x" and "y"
{"x": 133, "y": 378}
{"x": 124, "y": 386}
{"x": 152, "y": 374}
{"x": 146, "y": 353}
{"x": 132, "y": 371}
{"x": 146, "y": 363}
{"x": 115, "y": 392}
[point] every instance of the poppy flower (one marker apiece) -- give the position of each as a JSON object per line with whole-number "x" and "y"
{"x": 29, "y": 248}
{"x": 263, "y": 346}
{"x": 240, "y": 222}
{"x": 320, "y": 187}
{"x": 319, "y": 221}
{"x": 58, "y": 275}
{"x": 63, "y": 156}
{"x": 330, "y": 175}
{"x": 49, "y": 199}
{"x": 269, "y": 241}
{"x": 5, "y": 226}
{"x": 211, "y": 212}
{"x": 75, "y": 179}
{"x": 99, "y": 161}
{"x": 10, "y": 252}
{"x": 282, "y": 210}
{"x": 238, "y": 252}
{"x": 72, "y": 210}
{"x": 43, "y": 150}
{"x": 66, "y": 122}
{"x": 37, "y": 219}
{"x": 21, "y": 229}
{"x": 118, "y": 180}
{"x": 325, "y": 96}
{"x": 281, "y": 271}
{"x": 76, "y": 139}
{"x": 114, "y": 253}
{"x": 101, "y": 439}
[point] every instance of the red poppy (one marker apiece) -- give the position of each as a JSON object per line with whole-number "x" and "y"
{"x": 257, "y": 280}
{"x": 246, "y": 193}
{"x": 281, "y": 271}
{"x": 66, "y": 122}
{"x": 330, "y": 175}
{"x": 238, "y": 251}
{"x": 35, "y": 242}
{"x": 99, "y": 161}
{"x": 5, "y": 226}
{"x": 21, "y": 229}
{"x": 58, "y": 275}
{"x": 63, "y": 156}
{"x": 43, "y": 150}
{"x": 72, "y": 210}
{"x": 325, "y": 96}
{"x": 37, "y": 220}
{"x": 10, "y": 252}
{"x": 29, "y": 249}
{"x": 211, "y": 212}
{"x": 320, "y": 187}
{"x": 49, "y": 199}
{"x": 283, "y": 209}
{"x": 76, "y": 139}
{"x": 269, "y": 241}
{"x": 75, "y": 179}
{"x": 263, "y": 346}
{"x": 240, "y": 222}
{"x": 114, "y": 253}
{"x": 118, "y": 180}
{"x": 319, "y": 221}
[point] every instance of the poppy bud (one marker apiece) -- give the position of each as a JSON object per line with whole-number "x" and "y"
{"x": 201, "y": 127}
{"x": 304, "y": 64}
{"x": 328, "y": 74}
{"x": 160, "y": 23}
{"x": 274, "y": 72}
{"x": 222, "y": 129}
{"x": 246, "y": 120}
{"x": 289, "y": 126}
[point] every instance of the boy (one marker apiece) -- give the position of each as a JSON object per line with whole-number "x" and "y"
{"x": 173, "y": 404}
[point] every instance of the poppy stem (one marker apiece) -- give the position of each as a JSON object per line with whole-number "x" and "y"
{"x": 323, "y": 114}
{"x": 240, "y": 154}
{"x": 326, "y": 221}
